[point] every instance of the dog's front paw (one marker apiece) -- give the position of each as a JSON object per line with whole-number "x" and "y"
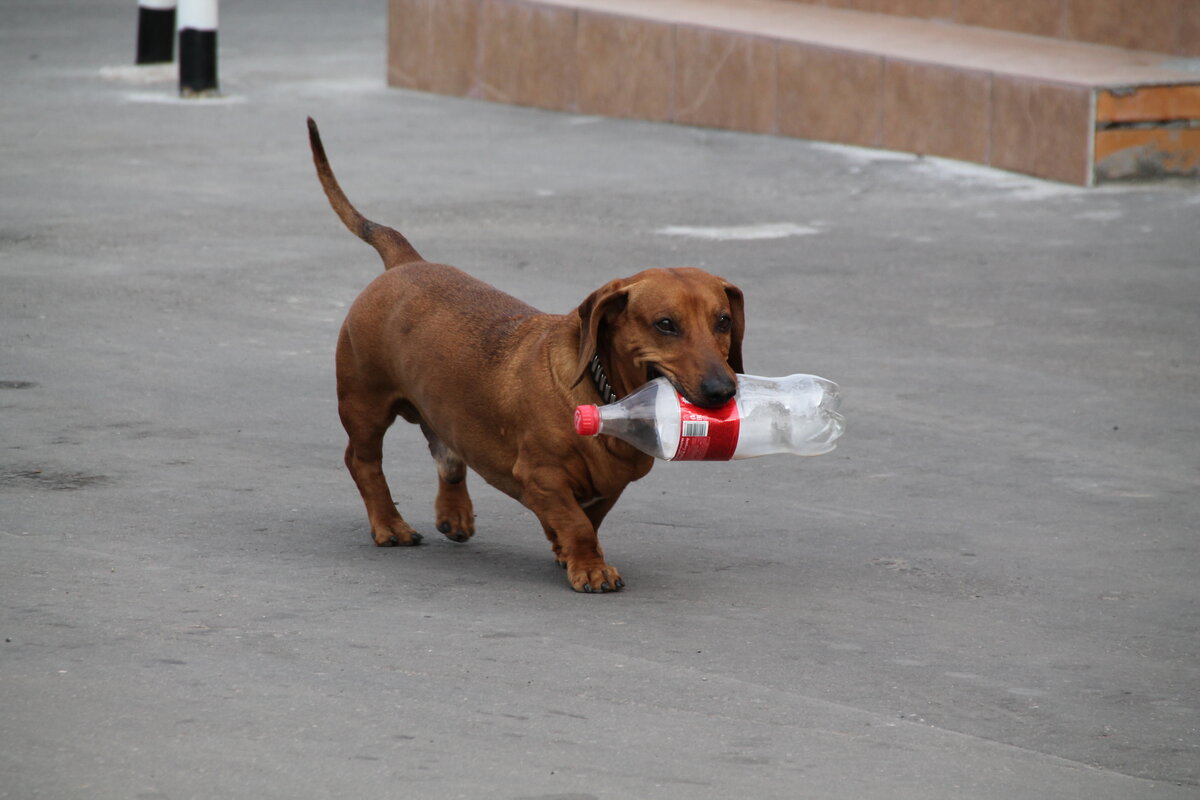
{"x": 592, "y": 577}
{"x": 395, "y": 534}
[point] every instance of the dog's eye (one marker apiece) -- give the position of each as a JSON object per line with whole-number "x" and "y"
{"x": 666, "y": 325}
{"x": 724, "y": 323}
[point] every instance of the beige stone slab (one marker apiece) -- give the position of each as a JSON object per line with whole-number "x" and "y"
{"x": 917, "y": 40}
{"x": 1041, "y": 129}
{"x": 936, "y": 110}
{"x": 832, "y": 95}
{"x": 626, "y": 67}
{"x": 724, "y": 80}
{"x": 527, "y": 54}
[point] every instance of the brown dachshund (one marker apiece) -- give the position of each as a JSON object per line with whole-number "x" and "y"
{"x": 494, "y": 383}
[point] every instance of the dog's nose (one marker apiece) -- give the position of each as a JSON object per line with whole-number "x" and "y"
{"x": 717, "y": 390}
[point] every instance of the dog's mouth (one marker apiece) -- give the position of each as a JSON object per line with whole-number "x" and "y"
{"x": 654, "y": 371}
{"x": 700, "y": 401}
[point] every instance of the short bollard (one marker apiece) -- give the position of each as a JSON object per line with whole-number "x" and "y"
{"x": 156, "y": 32}
{"x": 197, "y": 48}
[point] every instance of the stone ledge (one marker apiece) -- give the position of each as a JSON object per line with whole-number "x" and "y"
{"x": 1039, "y": 106}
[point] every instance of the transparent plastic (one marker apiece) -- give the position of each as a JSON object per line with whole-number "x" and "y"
{"x": 796, "y": 414}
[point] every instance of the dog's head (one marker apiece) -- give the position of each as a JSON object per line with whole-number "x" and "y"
{"x": 683, "y": 324}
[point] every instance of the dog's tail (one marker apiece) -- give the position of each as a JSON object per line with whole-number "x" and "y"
{"x": 393, "y": 248}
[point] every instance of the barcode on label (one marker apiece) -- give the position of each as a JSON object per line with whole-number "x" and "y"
{"x": 695, "y": 428}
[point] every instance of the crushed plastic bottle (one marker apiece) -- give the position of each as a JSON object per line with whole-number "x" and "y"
{"x": 796, "y": 414}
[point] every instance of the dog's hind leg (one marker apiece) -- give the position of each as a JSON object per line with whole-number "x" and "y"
{"x": 366, "y": 420}
{"x": 455, "y": 513}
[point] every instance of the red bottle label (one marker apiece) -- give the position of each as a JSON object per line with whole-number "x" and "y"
{"x": 707, "y": 434}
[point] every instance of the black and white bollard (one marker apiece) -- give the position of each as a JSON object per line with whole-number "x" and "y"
{"x": 197, "y": 48}
{"x": 156, "y": 32}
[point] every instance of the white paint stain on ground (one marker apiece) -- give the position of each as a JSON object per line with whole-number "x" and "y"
{"x": 1100, "y": 215}
{"x": 1021, "y": 187}
{"x": 141, "y": 74}
{"x": 166, "y": 75}
{"x": 862, "y": 155}
{"x": 175, "y": 99}
{"x": 740, "y": 233}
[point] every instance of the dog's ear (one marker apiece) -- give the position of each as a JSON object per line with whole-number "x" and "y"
{"x": 737, "y": 310}
{"x": 600, "y": 307}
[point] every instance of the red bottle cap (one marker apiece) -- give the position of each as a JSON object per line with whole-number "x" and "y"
{"x": 587, "y": 420}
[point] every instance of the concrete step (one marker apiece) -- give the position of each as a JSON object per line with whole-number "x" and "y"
{"x": 1067, "y": 111}
{"x": 1165, "y": 26}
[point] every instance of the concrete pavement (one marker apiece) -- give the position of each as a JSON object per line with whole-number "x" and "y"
{"x": 987, "y": 591}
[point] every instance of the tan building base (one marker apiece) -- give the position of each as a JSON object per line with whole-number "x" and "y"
{"x": 1066, "y": 110}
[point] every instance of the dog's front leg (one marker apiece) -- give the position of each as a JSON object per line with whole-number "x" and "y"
{"x": 570, "y": 530}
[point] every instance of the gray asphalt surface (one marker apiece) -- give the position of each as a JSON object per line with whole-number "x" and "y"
{"x": 987, "y": 591}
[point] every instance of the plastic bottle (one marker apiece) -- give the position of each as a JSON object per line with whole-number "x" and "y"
{"x": 796, "y": 414}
